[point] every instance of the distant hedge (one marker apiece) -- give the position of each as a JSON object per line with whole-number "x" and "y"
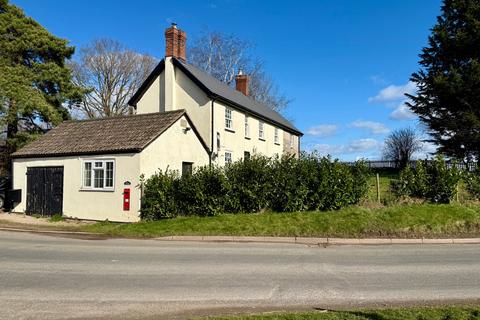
{"x": 283, "y": 184}
{"x": 434, "y": 181}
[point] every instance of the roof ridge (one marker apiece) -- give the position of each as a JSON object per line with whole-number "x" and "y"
{"x": 123, "y": 116}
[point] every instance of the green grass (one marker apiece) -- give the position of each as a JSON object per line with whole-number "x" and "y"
{"x": 413, "y": 221}
{"x": 446, "y": 313}
{"x": 56, "y": 218}
{"x": 385, "y": 177}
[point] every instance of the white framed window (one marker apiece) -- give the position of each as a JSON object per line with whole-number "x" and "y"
{"x": 291, "y": 141}
{"x": 98, "y": 174}
{"x": 276, "y": 137}
{"x": 247, "y": 128}
{"x": 261, "y": 130}
{"x": 228, "y": 118}
{"x": 228, "y": 157}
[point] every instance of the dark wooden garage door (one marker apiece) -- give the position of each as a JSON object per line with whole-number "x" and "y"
{"x": 44, "y": 190}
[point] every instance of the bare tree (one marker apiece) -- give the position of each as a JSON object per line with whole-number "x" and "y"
{"x": 400, "y": 146}
{"x": 112, "y": 73}
{"x": 223, "y": 56}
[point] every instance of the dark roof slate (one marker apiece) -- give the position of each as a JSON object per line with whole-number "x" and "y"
{"x": 122, "y": 134}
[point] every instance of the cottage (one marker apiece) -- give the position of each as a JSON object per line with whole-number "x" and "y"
{"x": 91, "y": 169}
{"x": 183, "y": 118}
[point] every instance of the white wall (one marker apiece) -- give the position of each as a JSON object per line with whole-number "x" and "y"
{"x": 172, "y": 148}
{"x": 198, "y": 105}
{"x": 187, "y": 95}
{"x": 235, "y": 141}
{"x": 150, "y": 101}
{"x": 87, "y": 204}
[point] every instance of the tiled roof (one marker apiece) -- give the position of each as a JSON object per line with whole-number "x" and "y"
{"x": 101, "y": 136}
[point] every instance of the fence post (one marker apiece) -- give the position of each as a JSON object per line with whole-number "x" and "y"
{"x": 378, "y": 188}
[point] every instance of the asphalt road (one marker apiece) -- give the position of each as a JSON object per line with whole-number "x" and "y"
{"x": 44, "y": 277}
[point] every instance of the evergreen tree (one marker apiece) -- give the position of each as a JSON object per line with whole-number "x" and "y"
{"x": 448, "y": 97}
{"x": 35, "y": 83}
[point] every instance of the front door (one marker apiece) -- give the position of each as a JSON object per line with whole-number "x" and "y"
{"x": 44, "y": 190}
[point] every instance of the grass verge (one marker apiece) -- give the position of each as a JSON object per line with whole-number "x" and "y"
{"x": 457, "y": 313}
{"x": 401, "y": 221}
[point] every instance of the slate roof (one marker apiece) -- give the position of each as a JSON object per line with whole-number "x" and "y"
{"x": 123, "y": 134}
{"x": 218, "y": 90}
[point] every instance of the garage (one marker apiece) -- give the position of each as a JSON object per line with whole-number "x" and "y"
{"x": 44, "y": 190}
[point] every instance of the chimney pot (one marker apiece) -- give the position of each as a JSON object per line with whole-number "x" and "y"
{"x": 241, "y": 82}
{"x": 175, "y": 43}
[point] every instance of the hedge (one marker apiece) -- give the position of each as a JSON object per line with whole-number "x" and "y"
{"x": 434, "y": 181}
{"x": 283, "y": 184}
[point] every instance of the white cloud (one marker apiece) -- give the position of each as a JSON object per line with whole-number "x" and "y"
{"x": 323, "y": 130}
{"x": 393, "y": 93}
{"x": 355, "y": 146}
{"x": 373, "y": 127}
{"x": 402, "y": 112}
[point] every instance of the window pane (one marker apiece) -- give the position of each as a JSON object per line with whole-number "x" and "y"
{"x": 187, "y": 168}
{"x": 87, "y": 175}
{"x": 228, "y": 157}
{"x": 98, "y": 164}
{"x": 98, "y": 178}
{"x": 109, "y": 174}
{"x": 228, "y": 118}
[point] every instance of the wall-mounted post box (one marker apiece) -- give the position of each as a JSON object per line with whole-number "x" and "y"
{"x": 126, "y": 199}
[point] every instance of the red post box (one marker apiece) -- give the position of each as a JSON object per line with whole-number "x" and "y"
{"x": 126, "y": 199}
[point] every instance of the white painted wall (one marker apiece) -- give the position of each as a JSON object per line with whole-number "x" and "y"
{"x": 172, "y": 148}
{"x": 87, "y": 204}
{"x": 237, "y": 143}
{"x": 198, "y": 105}
{"x": 177, "y": 91}
{"x": 169, "y": 150}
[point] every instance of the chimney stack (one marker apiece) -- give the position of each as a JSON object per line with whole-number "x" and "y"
{"x": 241, "y": 82}
{"x": 176, "y": 43}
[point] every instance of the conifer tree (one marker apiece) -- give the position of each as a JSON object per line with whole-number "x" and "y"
{"x": 448, "y": 97}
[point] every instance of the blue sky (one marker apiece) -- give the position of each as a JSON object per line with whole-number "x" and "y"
{"x": 345, "y": 64}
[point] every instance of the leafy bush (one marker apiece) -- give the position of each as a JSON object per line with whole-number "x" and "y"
{"x": 472, "y": 180}
{"x": 434, "y": 181}
{"x": 201, "y": 193}
{"x": 282, "y": 184}
{"x": 288, "y": 189}
{"x": 158, "y": 199}
{"x": 248, "y": 183}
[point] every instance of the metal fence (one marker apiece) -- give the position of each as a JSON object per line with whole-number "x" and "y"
{"x": 388, "y": 164}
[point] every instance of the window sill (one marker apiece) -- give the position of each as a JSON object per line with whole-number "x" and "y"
{"x": 230, "y": 130}
{"x": 276, "y": 143}
{"x": 96, "y": 190}
{"x": 248, "y": 138}
{"x": 261, "y": 139}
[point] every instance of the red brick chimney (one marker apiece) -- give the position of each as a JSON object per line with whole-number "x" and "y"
{"x": 176, "y": 43}
{"x": 241, "y": 82}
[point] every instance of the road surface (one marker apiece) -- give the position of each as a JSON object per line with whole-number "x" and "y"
{"x": 45, "y": 277}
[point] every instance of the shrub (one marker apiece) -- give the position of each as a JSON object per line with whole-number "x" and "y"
{"x": 443, "y": 181}
{"x": 288, "y": 186}
{"x": 433, "y": 180}
{"x": 280, "y": 184}
{"x": 248, "y": 181}
{"x": 201, "y": 193}
{"x": 158, "y": 199}
{"x": 472, "y": 180}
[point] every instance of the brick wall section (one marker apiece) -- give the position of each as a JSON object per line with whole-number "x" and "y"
{"x": 241, "y": 83}
{"x": 176, "y": 43}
